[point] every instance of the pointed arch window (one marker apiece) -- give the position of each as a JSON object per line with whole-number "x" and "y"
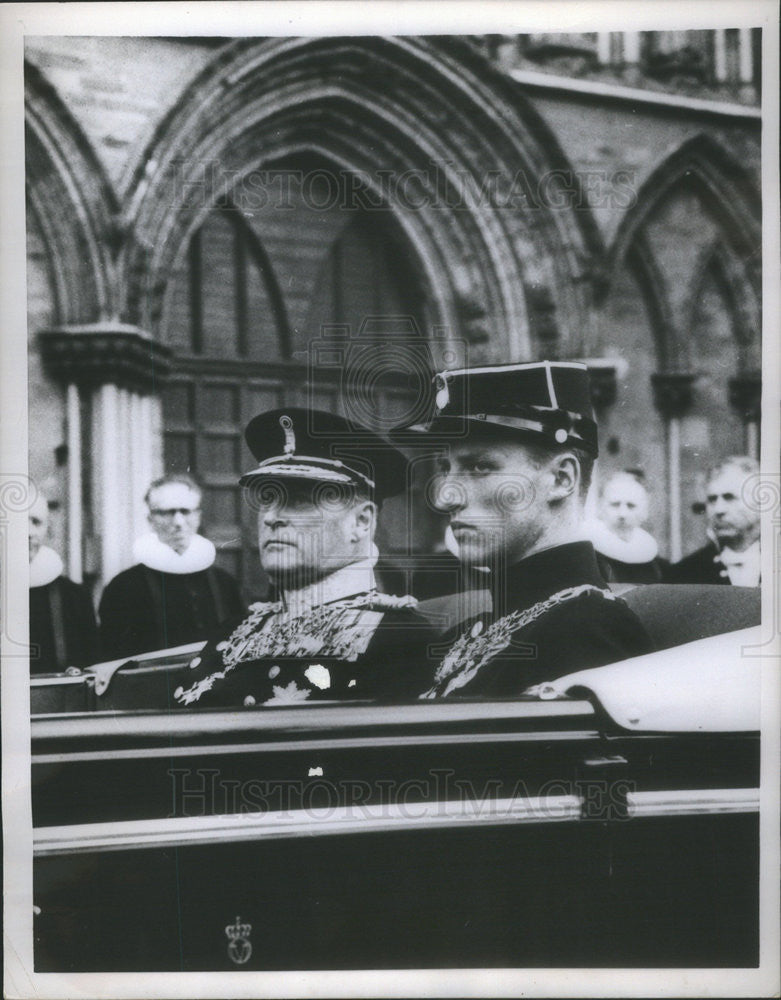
{"x": 225, "y": 302}
{"x": 244, "y": 311}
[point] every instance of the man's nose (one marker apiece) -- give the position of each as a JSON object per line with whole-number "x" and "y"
{"x": 450, "y": 494}
{"x": 179, "y": 518}
{"x": 274, "y": 517}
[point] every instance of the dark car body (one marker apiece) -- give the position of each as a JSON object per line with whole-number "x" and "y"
{"x": 428, "y": 835}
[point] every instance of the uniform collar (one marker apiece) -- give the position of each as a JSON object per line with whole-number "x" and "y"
{"x": 544, "y": 573}
{"x": 357, "y": 578}
{"x": 45, "y": 566}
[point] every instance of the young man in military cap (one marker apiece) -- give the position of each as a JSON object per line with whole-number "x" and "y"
{"x": 517, "y": 445}
{"x": 328, "y": 634}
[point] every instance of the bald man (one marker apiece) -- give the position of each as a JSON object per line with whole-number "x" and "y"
{"x": 63, "y": 632}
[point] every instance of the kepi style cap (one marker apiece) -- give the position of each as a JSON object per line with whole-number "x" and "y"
{"x": 547, "y": 400}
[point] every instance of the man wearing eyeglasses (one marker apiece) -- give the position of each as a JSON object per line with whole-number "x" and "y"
{"x": 173, "y": 594}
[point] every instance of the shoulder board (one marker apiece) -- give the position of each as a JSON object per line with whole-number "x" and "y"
{"x": 376, "y": 601}
{"x": 265, "y": 607}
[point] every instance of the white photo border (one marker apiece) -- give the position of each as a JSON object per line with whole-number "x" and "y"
{"x": 314, "y": 18}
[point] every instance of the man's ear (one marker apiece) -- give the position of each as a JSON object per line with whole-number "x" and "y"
{"x": 565, "y": 470}
{"x": 364, "y": 519}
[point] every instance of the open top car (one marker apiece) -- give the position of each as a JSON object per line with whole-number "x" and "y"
{"x": 608, "y": 819}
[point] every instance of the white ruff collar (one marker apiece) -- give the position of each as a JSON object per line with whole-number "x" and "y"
{"x": 149, "y": 550}
{"x": 45, "y": 567}
{"x": 640, "y": 547}
{"x": 357, "y": 578}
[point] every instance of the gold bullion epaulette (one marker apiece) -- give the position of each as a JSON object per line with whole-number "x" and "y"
{"x": 482, "y": 642}
{"x": 339, "y": 630}
{"x": 387, "y": 602}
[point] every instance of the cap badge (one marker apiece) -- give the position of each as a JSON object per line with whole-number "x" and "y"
{"x": 561, "y": 435}
{"x": 286, "y": 423}
{"x": 443, "y": 393}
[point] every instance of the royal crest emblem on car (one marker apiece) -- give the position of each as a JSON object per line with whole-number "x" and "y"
{"x": 239, "y": 947}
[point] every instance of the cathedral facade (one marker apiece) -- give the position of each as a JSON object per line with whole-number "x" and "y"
{"x": 218, "y": 226}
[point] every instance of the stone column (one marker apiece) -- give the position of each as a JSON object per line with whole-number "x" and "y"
{"x": 604, "y": 386}
{"x": 75, "y": 519}
{"x": 113, "y": 373}
{"x": 604, "y": 389}
{"x": 745, "y": 396}
{"x": 673, "y": 394}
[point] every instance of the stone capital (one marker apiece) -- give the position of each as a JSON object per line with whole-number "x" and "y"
{"x": 95, "y": 354}
{"x": 745, "y": 395}
{"x": 673, "y": 392}
{"x": 604, "y": 385}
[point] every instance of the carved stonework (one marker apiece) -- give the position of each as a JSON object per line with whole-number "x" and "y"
{"x": 68, "y": 188}
{"x": 99, "y": 353}
{"x": 262, "y": 100}
{"x": 604, "y": 388}
{"x": 472, "y": 316}
{"x": 673, "y": 392}
{"x": 542, "y": 318}
{"x": 745, "y": 395}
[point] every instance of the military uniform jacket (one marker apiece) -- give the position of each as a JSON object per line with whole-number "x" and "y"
{"x": 552, "y": 616}
{"x": 335, "y": 643}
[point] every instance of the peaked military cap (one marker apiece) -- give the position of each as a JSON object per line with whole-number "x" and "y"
{"x": 319, "y": 447}
{"x": 547, "y": 400}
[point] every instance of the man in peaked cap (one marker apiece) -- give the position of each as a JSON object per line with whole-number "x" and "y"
{"x": 328, "y": 633}
{"x": 517, "y": 445}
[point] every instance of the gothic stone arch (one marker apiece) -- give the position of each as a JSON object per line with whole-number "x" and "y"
{"x": 726, "y": 191}
{"x": 430, "y": 129}
{"x": 73, "y": 204}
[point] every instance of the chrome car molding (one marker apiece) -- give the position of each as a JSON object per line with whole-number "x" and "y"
{"x": 372, "y": 818}
{"x": 692, "y": 803}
